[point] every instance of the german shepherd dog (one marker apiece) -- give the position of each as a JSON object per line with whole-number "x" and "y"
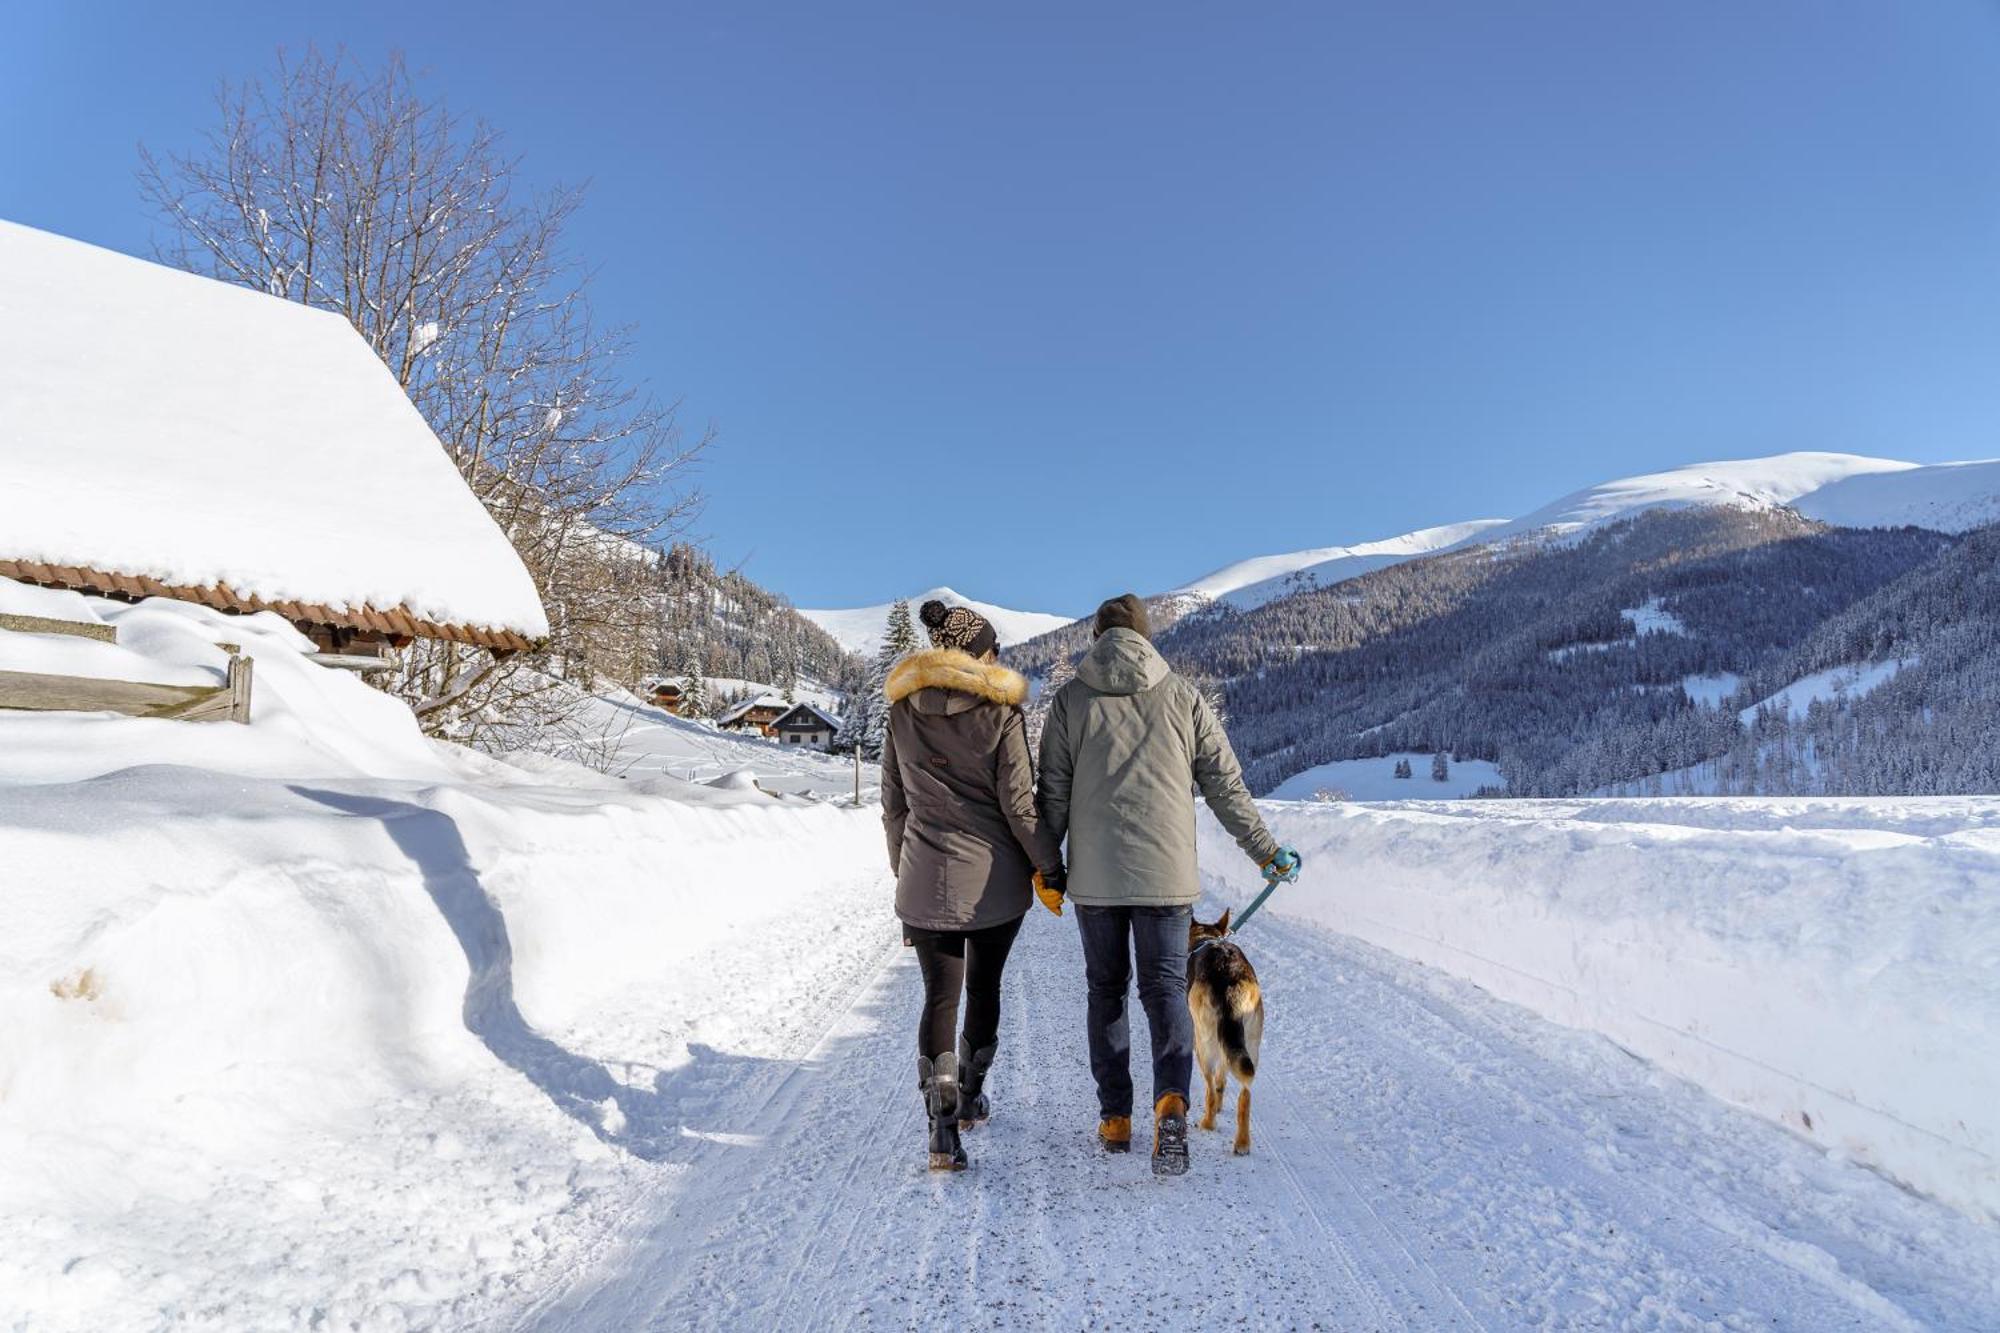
{"x": 1228, "y": 1009}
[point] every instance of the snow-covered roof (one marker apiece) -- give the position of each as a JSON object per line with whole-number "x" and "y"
{"x": 737, "y": 710}
{"x": 824, "y": 718}
{"x": 165, "y": 432}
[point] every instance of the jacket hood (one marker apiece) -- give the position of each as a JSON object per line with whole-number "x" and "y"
{"x": 960, "y": 673}
{"x": 1122, "y": 661}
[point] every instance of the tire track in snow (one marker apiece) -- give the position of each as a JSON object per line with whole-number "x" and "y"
{"x": 1429, "y": 1158}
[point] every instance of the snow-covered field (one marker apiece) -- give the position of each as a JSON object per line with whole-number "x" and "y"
{"x": 315, "y": 1024}
{"x": 1833, "y": 964}
{"x": 1376, "y": 780}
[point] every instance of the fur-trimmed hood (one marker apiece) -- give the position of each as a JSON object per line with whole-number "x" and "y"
{"x": 962, "y": 673}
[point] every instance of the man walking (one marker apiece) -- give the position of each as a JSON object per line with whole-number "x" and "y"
{"x": 1123, "y": 747}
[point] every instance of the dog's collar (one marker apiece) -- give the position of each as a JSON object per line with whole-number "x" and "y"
{"x": 1196, "y": 951}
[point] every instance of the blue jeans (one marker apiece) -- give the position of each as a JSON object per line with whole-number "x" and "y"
{"x": 1159, "y": 937}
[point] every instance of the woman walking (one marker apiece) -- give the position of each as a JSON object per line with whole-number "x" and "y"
{"x": 958, "y": 801}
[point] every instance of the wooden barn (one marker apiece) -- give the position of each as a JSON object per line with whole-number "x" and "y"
{"x": 166, "y": 434}
{"x": 669, "y": 695}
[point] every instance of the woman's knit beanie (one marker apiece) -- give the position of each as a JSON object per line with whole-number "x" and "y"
{"x": 958, "y": 627}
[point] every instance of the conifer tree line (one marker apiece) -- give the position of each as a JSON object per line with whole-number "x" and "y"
{"x": 1525, "y": 655}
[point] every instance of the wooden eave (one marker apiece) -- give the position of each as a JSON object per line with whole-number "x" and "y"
{"x": 398, "y": 624}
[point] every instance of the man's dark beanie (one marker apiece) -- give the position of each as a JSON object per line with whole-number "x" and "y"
{"x": 1126, "y": 612}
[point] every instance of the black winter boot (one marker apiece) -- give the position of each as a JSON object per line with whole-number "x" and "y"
{"x": 939, "y": 1080}
{"x": 972, "y": 1066}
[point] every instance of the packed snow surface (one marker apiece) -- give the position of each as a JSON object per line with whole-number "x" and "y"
{"x": 860, "y": 629}
{"x": 1253, "y": 582}
{"x": 157, "y": 422}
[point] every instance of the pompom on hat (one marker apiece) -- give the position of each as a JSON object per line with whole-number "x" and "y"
{"x": 958, "y": 627}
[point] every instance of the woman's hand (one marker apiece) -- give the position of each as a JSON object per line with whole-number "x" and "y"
{"x": 1051, "y": 894}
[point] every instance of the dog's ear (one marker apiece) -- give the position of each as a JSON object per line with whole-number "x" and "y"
{"x": 1222, "y": 926}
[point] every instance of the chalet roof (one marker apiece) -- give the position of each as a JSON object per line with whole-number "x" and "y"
{"x": 163, "y": 433}
{"x": 804, "y": 712}
{"x": 737, "y": 710}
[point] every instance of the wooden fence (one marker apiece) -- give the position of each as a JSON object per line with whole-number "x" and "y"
{"x": 229, "y": 701}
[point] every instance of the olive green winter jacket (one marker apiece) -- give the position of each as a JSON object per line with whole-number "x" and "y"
{"x": 1124, "y": 747}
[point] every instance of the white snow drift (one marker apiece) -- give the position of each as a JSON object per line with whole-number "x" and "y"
{"x": 316, "y": 1023}
{"x": 1833, "y": 964}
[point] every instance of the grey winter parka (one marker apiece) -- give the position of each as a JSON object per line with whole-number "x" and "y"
{"x": 958, "y": 793}
{"x": 1124, "y": 747}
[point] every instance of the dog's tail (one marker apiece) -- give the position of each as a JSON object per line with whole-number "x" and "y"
{"x": 1235, "y": 1043}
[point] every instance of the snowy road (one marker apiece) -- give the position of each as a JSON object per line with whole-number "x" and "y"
{"x": 1426, "y": 1158}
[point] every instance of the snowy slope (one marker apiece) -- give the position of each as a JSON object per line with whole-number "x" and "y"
{"x": 1841, "y": 682}
{"x": 859, "y": 629}
{"x": 1947, "y": 497}
{"x": 1252, "y": 582}
{"x": 1746, "y": 483}
{"x": 1843, "y": 489}
{"x": 161, "y": 423}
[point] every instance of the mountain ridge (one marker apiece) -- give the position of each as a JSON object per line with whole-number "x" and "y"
{"x": 859, "y": 629}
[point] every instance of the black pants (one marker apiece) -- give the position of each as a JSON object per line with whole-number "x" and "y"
{"x": 1159, "y": 937}
{"x": 955, "y": 960}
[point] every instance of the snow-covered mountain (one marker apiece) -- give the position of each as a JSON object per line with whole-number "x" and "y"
{"x": 1253, "y": 582}
{"x": 1742, "y": 483}
{"x": 1846, "y": 490}
{"x": 859, "y": 629}
{"x": 1946, "y": 497}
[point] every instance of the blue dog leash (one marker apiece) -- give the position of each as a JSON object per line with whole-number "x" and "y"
{"x": 1250, "y": 911}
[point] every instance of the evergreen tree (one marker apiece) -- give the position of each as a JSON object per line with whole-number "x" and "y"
{"x": 1440, "y": 770}
{"x": 694, "y": 685}
{"x": 1403, "y": 768}
{"x": 898, "y": 642}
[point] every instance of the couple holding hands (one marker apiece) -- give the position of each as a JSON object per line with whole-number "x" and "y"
{"x": 1125, "y": 744}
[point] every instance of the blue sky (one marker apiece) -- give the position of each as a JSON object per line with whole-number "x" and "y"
{"x": 1047, "y": 301}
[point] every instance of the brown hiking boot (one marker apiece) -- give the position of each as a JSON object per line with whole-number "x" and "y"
{"x": 1170, "y": 1141}
{"x": 1115, "y": 1133}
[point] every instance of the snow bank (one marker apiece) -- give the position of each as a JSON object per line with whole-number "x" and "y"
{"x": 1831, "y": 964}
{"x": 317, "y": 1023}
{"x": 158, "y": 422}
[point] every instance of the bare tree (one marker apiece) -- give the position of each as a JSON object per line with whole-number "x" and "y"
{"x": 355, "y": 193}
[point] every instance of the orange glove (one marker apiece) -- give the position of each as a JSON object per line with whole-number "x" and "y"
{"x": 1050, "y": 894}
